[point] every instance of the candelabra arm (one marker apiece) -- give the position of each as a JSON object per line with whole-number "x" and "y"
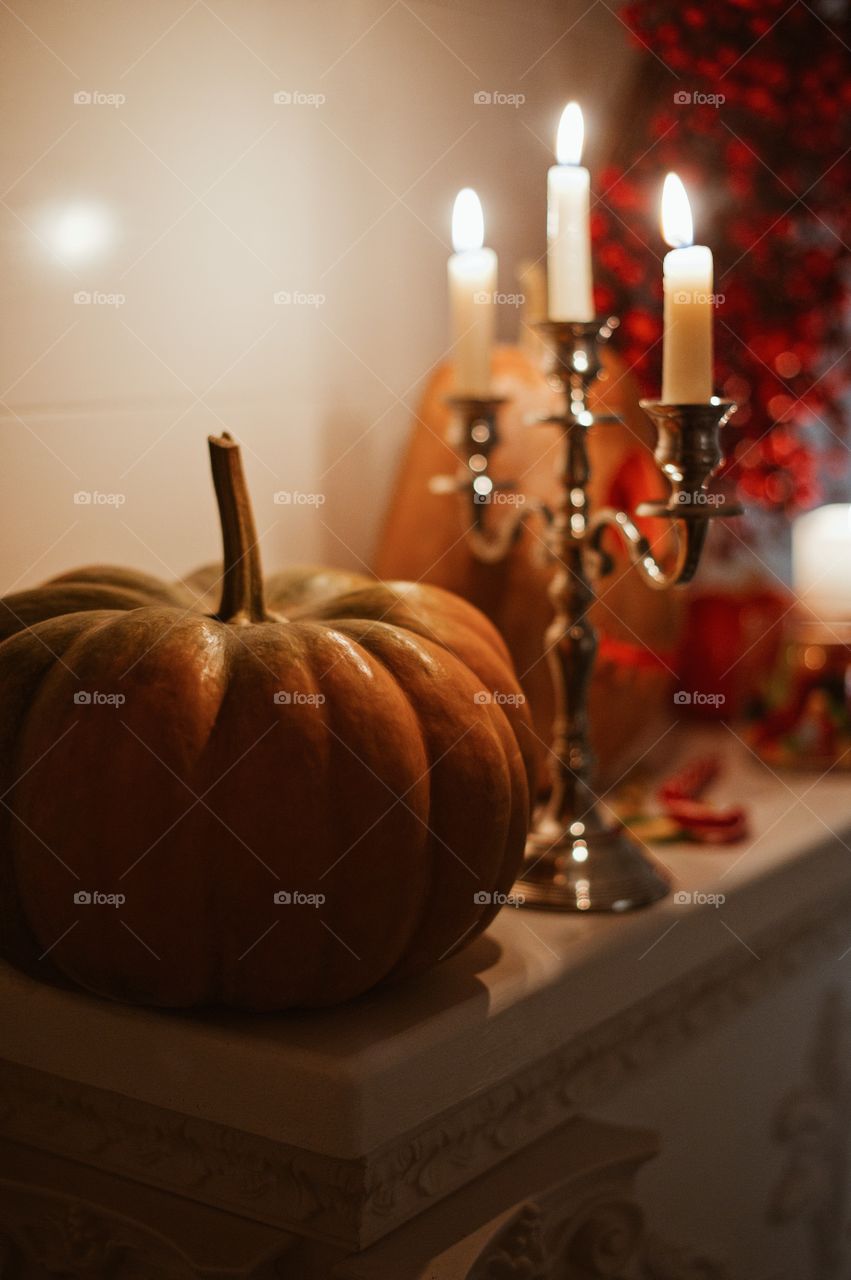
{"x": 474, "y": 435}
{"x": 690, "y": 533}
{"x": 493, "y": 547}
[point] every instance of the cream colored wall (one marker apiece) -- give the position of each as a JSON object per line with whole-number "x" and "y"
{"x": 218, "y": 197}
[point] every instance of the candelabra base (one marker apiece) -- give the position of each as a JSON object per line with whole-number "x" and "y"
{"x": 587, "y": 868}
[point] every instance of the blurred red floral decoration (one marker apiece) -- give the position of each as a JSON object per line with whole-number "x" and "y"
{"x": 749, "y": 100}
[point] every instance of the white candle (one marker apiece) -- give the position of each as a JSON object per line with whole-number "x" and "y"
{"x": 687, "y": 349}
{"x": 821, "y": 561}
{"x": 571, "y": 292}
{"x": 472, "y": 285}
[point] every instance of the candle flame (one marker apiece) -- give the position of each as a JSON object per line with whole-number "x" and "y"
{"x": 468, "y": 222}
{"x": 571, "y": 135}
{"x": 677, "y": 224}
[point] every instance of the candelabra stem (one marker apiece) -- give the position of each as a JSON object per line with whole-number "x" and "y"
{"x": 571, "y": 638}
{"x": 577, "y": 858}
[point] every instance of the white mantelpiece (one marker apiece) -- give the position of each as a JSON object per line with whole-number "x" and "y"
{"x": 346, "y": 1124}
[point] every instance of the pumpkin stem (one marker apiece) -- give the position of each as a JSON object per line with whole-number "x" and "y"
{"x": 242, "y": 581}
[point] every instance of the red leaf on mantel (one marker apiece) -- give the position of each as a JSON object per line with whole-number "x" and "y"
{"x": 679, "y": 796}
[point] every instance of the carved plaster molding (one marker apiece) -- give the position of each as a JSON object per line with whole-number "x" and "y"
{"x": 354, "y": 1203}
{"x": 517, "y": 1251}
{"x": 267, "y": 1181}
{"x": 63, "y": 1220}
{"x": 446, "y": 1153}
{"x": 50, "y": 1235}
{"x": 603, "y": 1241}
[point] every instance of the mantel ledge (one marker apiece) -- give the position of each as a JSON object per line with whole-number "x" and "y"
{"x": 354, "y": 1202}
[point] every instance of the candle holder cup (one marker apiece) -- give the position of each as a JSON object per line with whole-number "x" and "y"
{"x": 578, "y": 858}
{"x": 688, "y": 453}
{"x": 474, "y": 434}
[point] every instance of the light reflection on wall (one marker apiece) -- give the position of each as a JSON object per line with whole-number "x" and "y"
{"x": 78, "y": 232}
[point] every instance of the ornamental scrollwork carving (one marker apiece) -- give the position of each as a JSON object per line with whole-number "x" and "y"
{"x": 607, "y": 1242}
{"x": 48, "y": 1235}
{"x": 597, "y": 1241}
{"x": 52, "y": 1236}
{"x": 517, "y": 1252}
{"x": 591, "y": 1234}
{"x": 608, "y": 1245}
{"x": 443, "y": 1156}
{"x": 159, "y": 1148}
{"x": 353, "y": 1201}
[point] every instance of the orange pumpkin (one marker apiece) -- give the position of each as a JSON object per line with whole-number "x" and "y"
{"x": 94, "y": 587}
{"x": 316, "y": 789}
{"x": 424, "y": 538}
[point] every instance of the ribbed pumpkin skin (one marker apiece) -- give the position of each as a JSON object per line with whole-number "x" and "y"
{"x": 94, "y": 587}
{"x": 399, "y": 798}
{"x": 108, "y": 586}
